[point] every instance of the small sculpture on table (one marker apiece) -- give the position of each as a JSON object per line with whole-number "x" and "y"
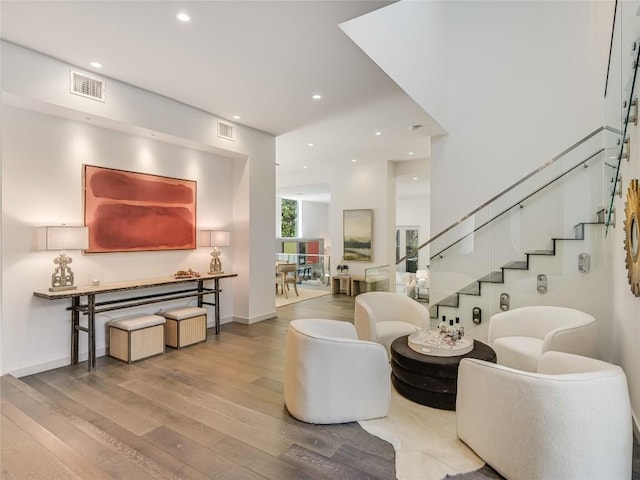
{"x": 215, "y": 267}
{"x": 62, "y": 276}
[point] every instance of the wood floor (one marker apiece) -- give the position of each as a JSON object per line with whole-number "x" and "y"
{"x": 212, "y": 410}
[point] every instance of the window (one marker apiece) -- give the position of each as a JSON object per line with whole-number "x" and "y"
{"x": 289, "y": 227}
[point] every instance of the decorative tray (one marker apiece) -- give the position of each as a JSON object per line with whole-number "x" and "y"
{"x": 428, "y": 343}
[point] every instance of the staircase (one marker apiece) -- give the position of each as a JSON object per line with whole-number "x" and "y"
{"x": 452, "y": 303}
{"x": 494, "y": 258}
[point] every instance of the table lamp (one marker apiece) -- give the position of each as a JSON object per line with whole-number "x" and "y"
{"x": 62, "y": 238}
{"x": 215, "y": 239}
{"x": 422, "y": 276}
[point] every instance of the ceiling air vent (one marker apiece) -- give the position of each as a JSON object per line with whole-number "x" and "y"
{"x": 87, "y": 87}
{"x": 225, "y": 130}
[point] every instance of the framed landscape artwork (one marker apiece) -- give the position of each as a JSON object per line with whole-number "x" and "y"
{"x": 133, "y": 212}
{"x": 358, "y": 233}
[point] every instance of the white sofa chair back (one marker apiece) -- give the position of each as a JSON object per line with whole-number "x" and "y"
{"x": 520, "y": 336}
{"x": 570, "y": 420}
{"x": 384, "y": 316}
{"x": 331, "y": 376}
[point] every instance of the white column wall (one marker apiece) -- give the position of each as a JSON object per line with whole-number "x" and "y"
{"x": 315, "y": 220}
{"x": 232, "y": 193}
{"x": 364, "y": 186}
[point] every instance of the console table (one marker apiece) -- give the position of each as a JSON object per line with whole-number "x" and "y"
{"x": 92, "y": 307}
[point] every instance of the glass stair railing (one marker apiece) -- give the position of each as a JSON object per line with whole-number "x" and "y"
{"x": 546, "y": 233}
{"x": 540, "y": 235}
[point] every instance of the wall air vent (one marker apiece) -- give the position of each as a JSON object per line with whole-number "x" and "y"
{"x": 226, "y": 130}
{"x": 87, "y": 87}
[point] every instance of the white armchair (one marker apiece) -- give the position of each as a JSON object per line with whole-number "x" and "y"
{"x": 520, "y": 336}
{"x": 384, "y": 316}
{"x": 331, "y": 376}
{"x": 571, "y": 420}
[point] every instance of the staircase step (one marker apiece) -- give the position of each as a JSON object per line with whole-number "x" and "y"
{"x": 516, "y": 265}
{"x": 540, "y": 252}
{"x": 471, "y": 289}
{"x": 450, "y": 301}
{"x": 493, "y": 277}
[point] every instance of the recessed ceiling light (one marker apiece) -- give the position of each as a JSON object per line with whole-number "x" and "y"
{"x": 310, "y": 144}
{"x": 354, "y": 160}
{"x": 411, "y": 153}
{"x": 317, "y": 96}
{"x": 183, "y": 17}
{"x": 304, "y": 166}
{"x": 236, "y": 117}
{"x": 96, "y": 64}
{"x": 415, "y": 178}
{"x": 378, "y": 133}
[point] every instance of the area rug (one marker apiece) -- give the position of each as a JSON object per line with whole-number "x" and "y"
{"x": 305, "y": 294}
{"x": 424, "y": 439}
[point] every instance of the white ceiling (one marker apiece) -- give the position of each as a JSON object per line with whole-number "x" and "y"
{"x": 261, "y": 60}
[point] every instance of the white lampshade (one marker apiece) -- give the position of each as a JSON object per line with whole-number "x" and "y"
{"x": 422, "y": 274}
{"x": 215, "y": 238}
{"x": 63, "y": 237}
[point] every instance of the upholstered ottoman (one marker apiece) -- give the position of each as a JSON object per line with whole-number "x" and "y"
{"x": 185, "y": 326}
{"x": 136, "y": 337}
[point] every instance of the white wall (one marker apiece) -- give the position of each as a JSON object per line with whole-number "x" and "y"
{"x": 315, "y": 220}
{"x": 232, "y": 193}
{"x": 42, "y": 185}
{"x": 364, "y": 186}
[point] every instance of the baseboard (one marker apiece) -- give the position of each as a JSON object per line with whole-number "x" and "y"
{"x": 61, "y": 362}
{"x": 259, "y": 318}
{"x": 211, "y": 322}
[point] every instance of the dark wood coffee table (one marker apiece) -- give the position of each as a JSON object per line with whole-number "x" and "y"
{"x": 430, "y": 380}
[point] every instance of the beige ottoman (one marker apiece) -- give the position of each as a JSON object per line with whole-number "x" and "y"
{"x": 185, "y": 326}
{"x": 136, "y": 337}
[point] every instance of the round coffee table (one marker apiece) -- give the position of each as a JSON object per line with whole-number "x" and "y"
{"x": 430, "y": 380}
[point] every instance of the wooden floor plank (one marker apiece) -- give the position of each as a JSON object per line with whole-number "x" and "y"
{"x": 90, "y": 438}
{"x": 24, "y": 458}
{"x": 211, "y": 410}
{"x": 209, "y": 462}
{"x": 80, "y": 465}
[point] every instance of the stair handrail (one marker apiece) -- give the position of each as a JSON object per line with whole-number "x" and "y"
{"x": 613, "y": 31}
{"x": 510, "y": 188}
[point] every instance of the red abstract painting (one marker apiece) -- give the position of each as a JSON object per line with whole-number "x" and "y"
{"x": 133, "y": 212}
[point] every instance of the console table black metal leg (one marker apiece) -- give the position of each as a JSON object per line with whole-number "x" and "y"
{"x": 91, "y": 331}
{"x": 75, "y": 323}
{"x": 216, "y": 296}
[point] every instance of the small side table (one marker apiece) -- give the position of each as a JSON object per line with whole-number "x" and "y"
{"x": 358, "y": 285}
{"x": 336, "y": 283}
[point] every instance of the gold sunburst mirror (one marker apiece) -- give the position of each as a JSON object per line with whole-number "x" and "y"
{"x": 632, "y": 235}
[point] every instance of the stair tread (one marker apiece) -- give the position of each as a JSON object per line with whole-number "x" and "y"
{"x": 540, "y": 252}
{"x": 450, "y": 301}
{"x": 493, "y": 277}
{"x": 516, "y": 265}
{"x": 471, "y": 289}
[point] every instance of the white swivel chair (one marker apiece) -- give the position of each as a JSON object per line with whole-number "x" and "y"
{"x": 522, "y": 335}
{"x": 331, "y": 376}
{"x": 570, "y": 420}
{"x": 384, "y": 316}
